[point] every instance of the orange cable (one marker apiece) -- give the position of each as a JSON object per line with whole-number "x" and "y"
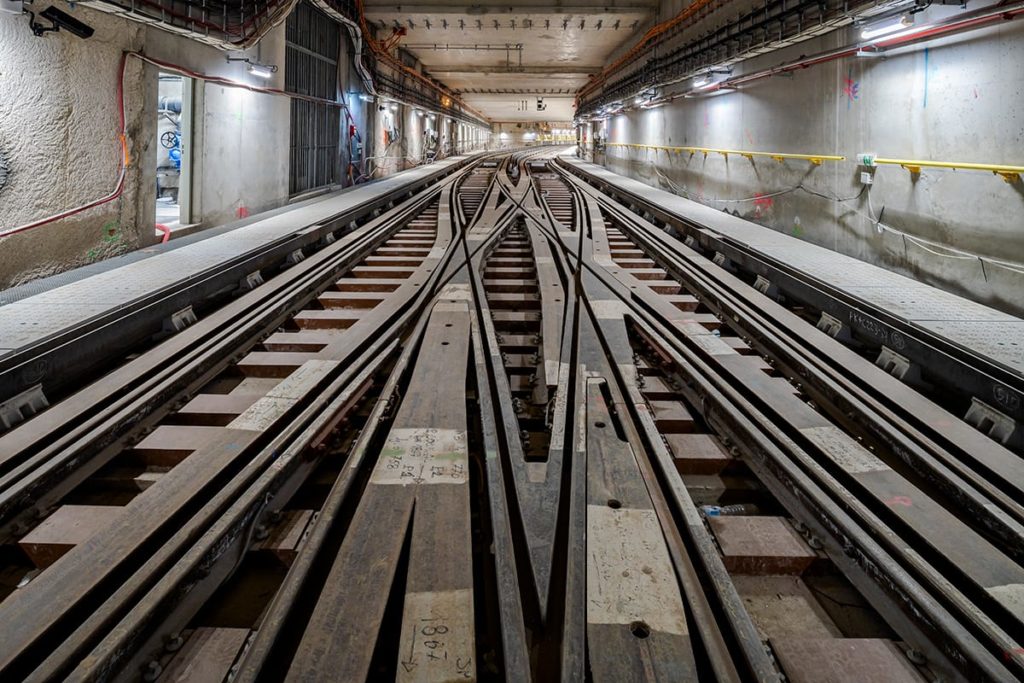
{"x": 637, "y": 49}
{"x": 396, "y": 64}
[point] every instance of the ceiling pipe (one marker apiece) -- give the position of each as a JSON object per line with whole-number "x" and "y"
{"x": 232, "y": 32}
{"x": 980, "y": 18}
{"x": 385, "y": 56}
{"x": 231, "y": 27}
{"x": 652, "y": 34}
{"x": 969, "y": 21}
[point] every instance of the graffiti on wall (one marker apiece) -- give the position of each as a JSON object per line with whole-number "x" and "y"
{"x": 851, "y": 88}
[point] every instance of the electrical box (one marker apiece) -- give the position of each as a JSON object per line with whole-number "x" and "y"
{"x": 866, "y": 159}
{"x": 866, "y": 178}
{"x": 12, "y": 6}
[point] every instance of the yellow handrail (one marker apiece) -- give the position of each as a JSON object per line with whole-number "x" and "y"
{"x": 1008, "y": 173}
{"x": 815, "y": 159}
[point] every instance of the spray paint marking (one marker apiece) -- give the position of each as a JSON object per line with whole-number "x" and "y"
{"x": 110, "y": 233}
{"x": 242, "y": 212}
{"x": 762, "y": 205}
{"x": 851, "y": 88}
{"x": 925, "y": 78}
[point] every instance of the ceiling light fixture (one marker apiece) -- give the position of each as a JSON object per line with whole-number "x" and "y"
{"x": 887, "y": 27}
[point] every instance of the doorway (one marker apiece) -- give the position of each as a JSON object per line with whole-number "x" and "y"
{"x": 173, "y": 153}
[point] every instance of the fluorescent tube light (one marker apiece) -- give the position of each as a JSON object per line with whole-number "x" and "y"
{"x": 891, "y": 26}
{"x": 261, "y": 70}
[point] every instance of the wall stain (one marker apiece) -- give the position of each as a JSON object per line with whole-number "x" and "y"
{"x": 925, "y": 104}
{"x": 5, "y": 170}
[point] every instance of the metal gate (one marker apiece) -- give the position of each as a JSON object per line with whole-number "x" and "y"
{"x": 311, "y": 68}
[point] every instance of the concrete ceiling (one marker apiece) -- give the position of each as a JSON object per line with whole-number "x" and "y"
{"x": 523, "y": 108}
{"x": 499, "y": 55}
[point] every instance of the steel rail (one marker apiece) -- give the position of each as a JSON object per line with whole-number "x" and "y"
{"x": 81, "y": 433}
{"x": 54, "y": 574}
{"x": 152, "y": 612}
{"x": 985, "y": 377}
{"x": 95, "y": 342}
{"x": 122, "y": 602}
{"x": 278, "y": 443}
{"x": 866, "y": 391}
{"x": 268, "y": 658}
{"x": 699, "y": 563}
{"x": 1001, "y": 644}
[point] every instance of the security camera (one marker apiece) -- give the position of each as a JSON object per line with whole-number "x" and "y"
{"x": 59, "y": 20}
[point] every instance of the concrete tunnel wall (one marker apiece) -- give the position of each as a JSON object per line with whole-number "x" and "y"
{"x": 961, "y": 99}
{"x": 66, "y": 152}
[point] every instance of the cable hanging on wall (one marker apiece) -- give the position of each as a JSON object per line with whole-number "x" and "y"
{"x": 933, "y": 248}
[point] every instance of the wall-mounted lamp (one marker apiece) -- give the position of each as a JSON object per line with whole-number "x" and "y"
{"x": 707, "y": 79}
{"x": 646, "y": 96}
{"x": 256, "y": 68}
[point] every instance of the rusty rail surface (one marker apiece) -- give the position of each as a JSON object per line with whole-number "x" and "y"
{"x": 506, "y": 430}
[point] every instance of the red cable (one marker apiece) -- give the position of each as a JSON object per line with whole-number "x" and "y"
{"x": 118, "y": 189}
{"x": 123, "y": 131}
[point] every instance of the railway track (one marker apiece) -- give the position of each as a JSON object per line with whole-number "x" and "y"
{"x": 507, "y": 430}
